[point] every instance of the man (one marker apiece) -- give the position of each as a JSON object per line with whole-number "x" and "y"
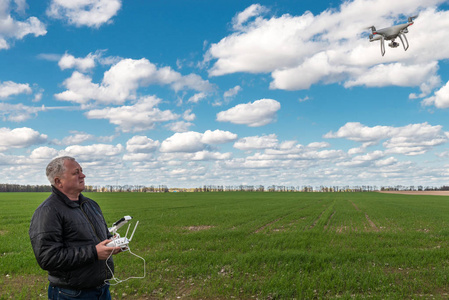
{"x": 69, "y": 235}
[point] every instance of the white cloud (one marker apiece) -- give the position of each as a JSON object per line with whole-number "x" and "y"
{"x": 197, "y": 98}
{"x": 440, "y": 99}
{"x": 258, "y": 113}
{"x": 218, "y": 137}
{"x": 192, "y": 141}
{"x": 92, "y": 153}
{"x": 231, "y": 93}
{"x": 412, "y": 139}
{"x": 242, "y": 17}
{"x": 318, "y": 145}
{"x": 141, "y": 144}
{"x": 363, "y": 160}
{"x": 141, "y": 116}
{"x": 330, "y": 47}
{"x": 20, "y": 138}
{"x": 398, "y": 74}
{"x": 207, "y": 155}
{"x": 122, "y": 80}
{"x": 257, "y": 142}
{"x": 140, "y": 157}
{"x": 9, "y": 88}
{"x": 44, "y": 153}
{"x": 180, "y": 126}
{"x": 183, "y": 142}
{"x": 68, "y": 61}
{"x": 91, "y": 13}
{"x": 357, "y": 132}
{"x": 77, "y": 138}
{"x": 11, "y": 29}
{"x": 188, "y": 115}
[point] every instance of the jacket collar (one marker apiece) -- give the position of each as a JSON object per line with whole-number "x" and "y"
{"x": 66, "y": 199}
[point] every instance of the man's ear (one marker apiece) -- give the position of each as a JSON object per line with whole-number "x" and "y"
{"x": 57, "y": 182}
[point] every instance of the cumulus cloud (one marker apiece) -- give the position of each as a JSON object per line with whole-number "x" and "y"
{"x": 231, "y": 93}
{"x": 242, "y": 17}
{"x": 141, "y": 116}
{"x": 68, "y": 61}
{"x": 12, "y": 29}
{"x": 141, "y": 144}
{"x": 440, "y": 99}
{"x": 92, "y": 153}
{"x": 122, "y": 80}
{"x": 412, "y": 139}
{"x": 192, "y": 141}
{"x": 218, "y": 137}
{"x": 9, "y": 88}
{"x": 180, "y": 126}
{"x": 44, "y": 153}
{"x": 398, "y": 74}
{"x": 91, "y": 13}
{"x": 363, "y": 160}
{"x": 183, "y": 142}
{"x": 20, "y": 112}
{"x": 20, "y": 138}
{"x": 188, "y": 115}
{"x": 331, "y": 47}
{"x": 77, "y": 138}
{"x": 257, "y": 142}
{"x": 197, "y": 98}
{"x": 255, "y": 114}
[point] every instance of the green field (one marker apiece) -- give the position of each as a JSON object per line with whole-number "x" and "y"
{"x": 247, "y": 245}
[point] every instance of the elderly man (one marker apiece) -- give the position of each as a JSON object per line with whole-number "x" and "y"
{"x": 69, "y": 235}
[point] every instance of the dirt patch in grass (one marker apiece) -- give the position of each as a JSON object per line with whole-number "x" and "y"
{"x": 355, "y": 206}
{"x": 198, "y": 228}
{"x": 428, "y": 193}
{"x": 266, "y": 225}
{"x": 371, "y": 223}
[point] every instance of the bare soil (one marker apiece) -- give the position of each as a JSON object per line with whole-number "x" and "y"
{"x": 429, "y": 193}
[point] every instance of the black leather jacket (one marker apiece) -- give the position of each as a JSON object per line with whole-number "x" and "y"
{"x": 63, "y": 235}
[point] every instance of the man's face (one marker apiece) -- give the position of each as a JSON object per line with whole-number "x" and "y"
{"x": 72, "y": 180}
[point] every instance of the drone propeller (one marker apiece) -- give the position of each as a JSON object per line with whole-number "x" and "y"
{"x": 373, "y": 29}
{"x": 410, "y": 19}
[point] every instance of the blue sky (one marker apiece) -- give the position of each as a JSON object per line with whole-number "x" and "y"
{"x": 193, "y": 93}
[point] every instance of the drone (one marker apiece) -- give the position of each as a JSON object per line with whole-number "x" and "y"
{"x": 390, "y": 34}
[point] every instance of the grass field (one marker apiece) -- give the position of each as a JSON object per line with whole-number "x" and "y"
{"x": 256, "y": 246}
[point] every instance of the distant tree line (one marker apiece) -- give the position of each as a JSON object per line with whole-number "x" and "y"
{"x": 5, "y": 187}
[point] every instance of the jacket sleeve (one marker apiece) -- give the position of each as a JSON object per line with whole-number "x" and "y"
{"x": 46, "y": 235}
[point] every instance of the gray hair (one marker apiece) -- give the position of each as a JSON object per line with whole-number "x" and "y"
{"x": 56, "y": 168}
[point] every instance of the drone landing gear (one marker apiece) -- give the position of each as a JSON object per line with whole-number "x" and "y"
{"x": 402, "y": 40}
{"x": 382, "y": 46}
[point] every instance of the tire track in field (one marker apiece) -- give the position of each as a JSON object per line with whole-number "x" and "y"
{"x": 370, "y": 222}
{"x": 268, "y": 224}
{"x": 317, "y": 219}
{"x": 329, "y": 220}
{"x": 326, "y": 213}
{"x": 274, "y": 221}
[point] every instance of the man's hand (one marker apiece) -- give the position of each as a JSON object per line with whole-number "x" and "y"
{"x": 104, "y": 251}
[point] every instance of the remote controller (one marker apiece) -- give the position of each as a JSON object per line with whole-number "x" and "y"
{"x": 119, "y": 242}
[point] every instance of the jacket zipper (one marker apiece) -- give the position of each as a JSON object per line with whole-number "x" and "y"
{"x": 96, "y": 234}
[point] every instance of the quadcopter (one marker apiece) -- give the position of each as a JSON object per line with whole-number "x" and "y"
{"x": 390, "y": 34}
